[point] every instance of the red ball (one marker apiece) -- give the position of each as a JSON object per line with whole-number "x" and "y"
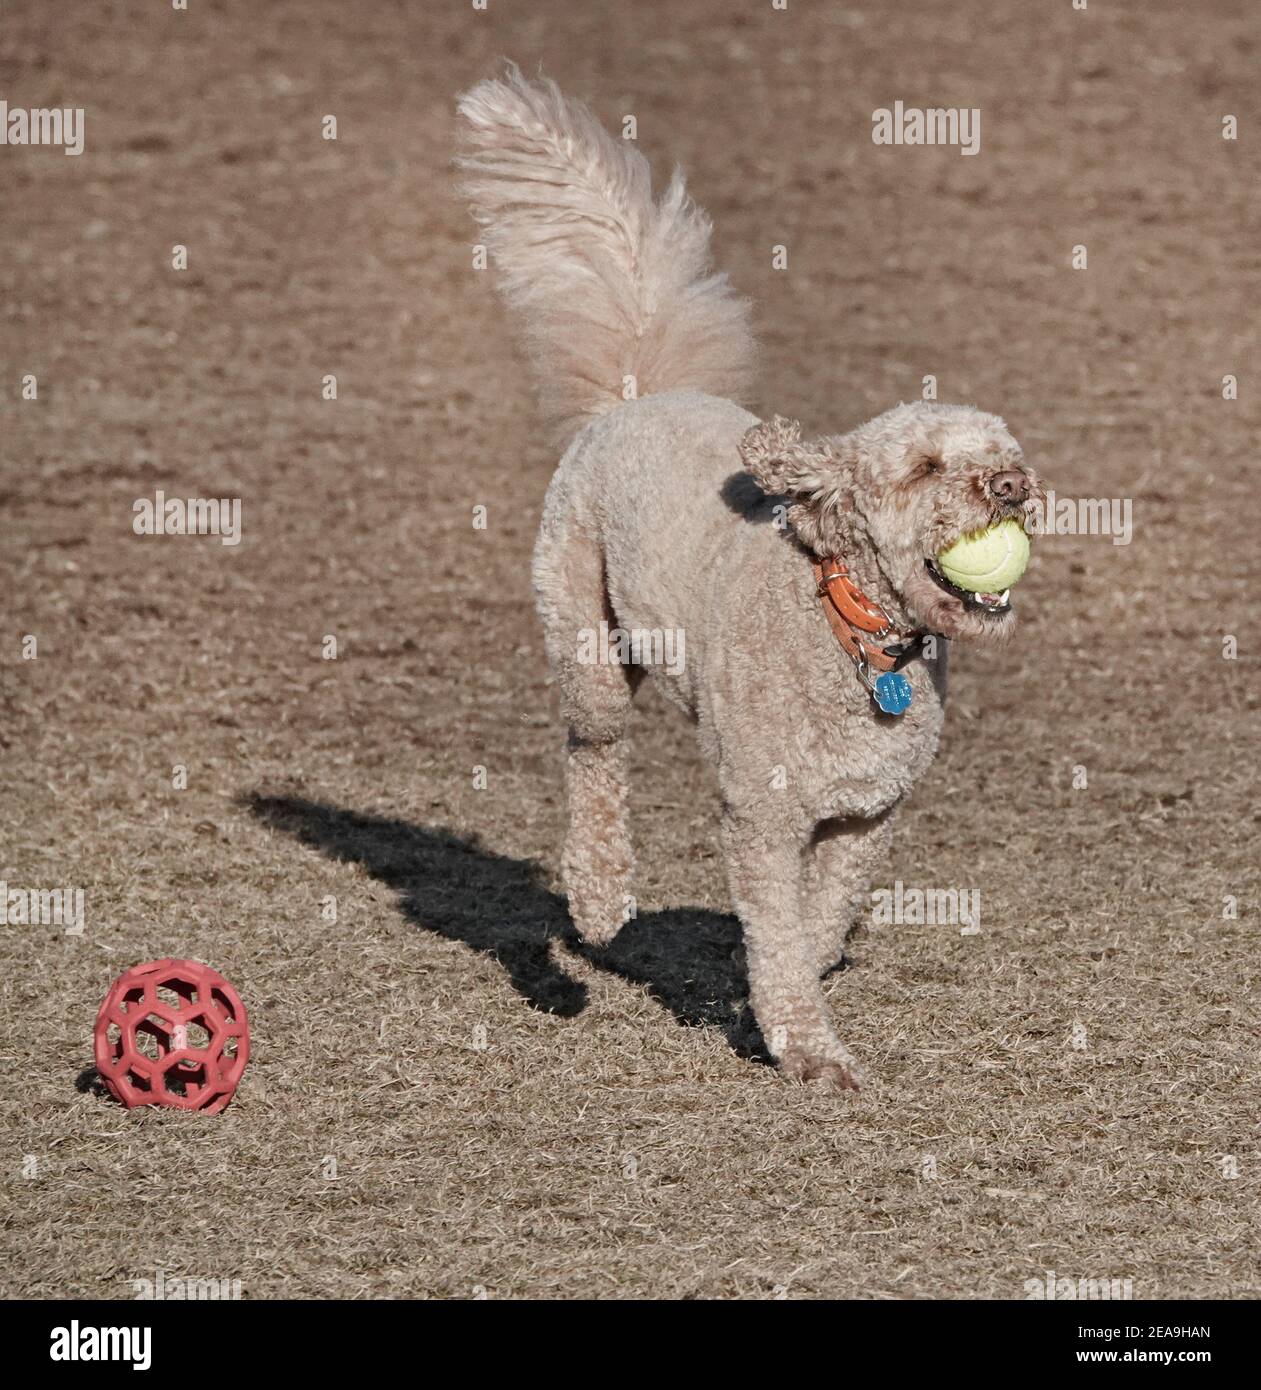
{"x": 172, "y": 1032}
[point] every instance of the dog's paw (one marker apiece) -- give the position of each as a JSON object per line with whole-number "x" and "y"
{"x": 826, "y": 1071}
{"x": 597, "y": 913}
{"x": 596, "y": 872}
{"x": 595, "y": 930}
{"x": 597, "y": 901}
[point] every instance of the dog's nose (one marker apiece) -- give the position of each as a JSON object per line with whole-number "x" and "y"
{"x": 1011, "y": 486}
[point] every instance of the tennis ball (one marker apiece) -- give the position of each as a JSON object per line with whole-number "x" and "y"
{"x": 989, "y": 561}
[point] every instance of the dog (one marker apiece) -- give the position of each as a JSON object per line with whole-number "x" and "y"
{"x": 800, "y": 570}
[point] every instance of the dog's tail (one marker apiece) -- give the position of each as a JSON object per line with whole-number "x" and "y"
{"x": 614, "y": 290}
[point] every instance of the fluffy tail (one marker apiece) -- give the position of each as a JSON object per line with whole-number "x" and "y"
{"x": 614, "y": 290}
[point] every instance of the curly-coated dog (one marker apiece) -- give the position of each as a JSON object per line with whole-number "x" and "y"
{"x": 796, "y": 576}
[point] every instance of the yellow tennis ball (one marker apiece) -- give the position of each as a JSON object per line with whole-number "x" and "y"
{"x": 987, "y": 562}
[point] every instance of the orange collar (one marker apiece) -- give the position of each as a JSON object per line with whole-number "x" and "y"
{"x": 861, "y": 625}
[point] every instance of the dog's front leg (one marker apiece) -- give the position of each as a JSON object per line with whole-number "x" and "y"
{"x": 764, "y": 866}
{"x": 840, "y": 861}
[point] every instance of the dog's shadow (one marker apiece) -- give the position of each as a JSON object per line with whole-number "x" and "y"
{"x": 689, "y": 959}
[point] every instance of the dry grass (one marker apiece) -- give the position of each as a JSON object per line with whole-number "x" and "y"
{"x": 613, "y": 1136}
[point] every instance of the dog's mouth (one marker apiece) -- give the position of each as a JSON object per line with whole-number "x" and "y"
{"x": 992, "y": 605}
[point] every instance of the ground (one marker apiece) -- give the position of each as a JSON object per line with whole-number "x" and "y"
{"x": 445, "y": 1097}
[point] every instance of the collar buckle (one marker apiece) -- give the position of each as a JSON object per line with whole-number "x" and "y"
{"x": 862, "y": 625}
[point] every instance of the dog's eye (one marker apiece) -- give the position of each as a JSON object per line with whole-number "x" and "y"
{"x": 925, "y": 466}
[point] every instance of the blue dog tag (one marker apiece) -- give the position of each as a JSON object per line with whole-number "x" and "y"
{"x": 892, "y": 693}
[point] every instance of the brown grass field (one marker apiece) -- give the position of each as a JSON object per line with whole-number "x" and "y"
{"x": 1070, "y": 1090}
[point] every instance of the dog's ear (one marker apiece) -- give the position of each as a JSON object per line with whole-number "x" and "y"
{"x": 816, "y": 475}
{"x": 780, "y": 463}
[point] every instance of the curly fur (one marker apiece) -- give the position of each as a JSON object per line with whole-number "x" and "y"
{"x": 681, "y": 510}
{"x": 614, "y": 291}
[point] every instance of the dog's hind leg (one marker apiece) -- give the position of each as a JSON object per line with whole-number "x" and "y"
{"x": 839, "y": 864}
{"x": 595, "y": 698}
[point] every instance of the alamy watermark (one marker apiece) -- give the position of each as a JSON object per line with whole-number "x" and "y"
{"x": 927, "y": 907}
{"x": 639, "y": 646}
{"x": 172, "y": 1289}
{"x": 42, "y": 907}
{"x": 42, "y": 125}
{"x": 1083, "y": 516}
{"x": 1052, "y": 1286}
{"x": 161, "y": 515}
{"x": 936, "y": 125}
{"x": 74, "y": 1342}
